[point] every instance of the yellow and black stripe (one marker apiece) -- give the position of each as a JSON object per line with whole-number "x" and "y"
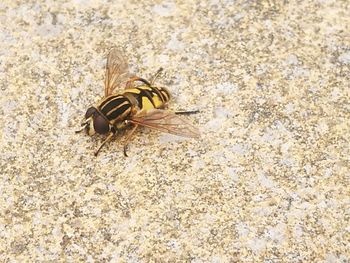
{"x": 115, "y": 107}
{"x": 118, "y": 107}
{"x": 149, "y": 97}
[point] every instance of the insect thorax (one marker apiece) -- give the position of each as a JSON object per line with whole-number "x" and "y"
{"x": 115, "y": 107}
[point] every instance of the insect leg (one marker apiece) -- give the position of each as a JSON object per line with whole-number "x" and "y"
{"x": 133, "y": 79}
{"x": 83, "y": 124}
{"x": 131, "y": 132}
{"x": 79, "y": 131}
{"x": 109, "y": 137}
{"x": 156, "y": 75}
{"x": 186, "y": 112}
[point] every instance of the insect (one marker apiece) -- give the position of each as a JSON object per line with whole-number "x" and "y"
{"x": 141, "y": 103}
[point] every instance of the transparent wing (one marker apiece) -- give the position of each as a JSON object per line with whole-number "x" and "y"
{"x": 117, "y": 71}
{"x": 165, "y": 121}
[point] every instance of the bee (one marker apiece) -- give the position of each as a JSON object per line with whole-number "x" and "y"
{"x": 141, "y": 103}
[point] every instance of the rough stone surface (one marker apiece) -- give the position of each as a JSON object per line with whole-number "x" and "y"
{"x": 267, "y": 182}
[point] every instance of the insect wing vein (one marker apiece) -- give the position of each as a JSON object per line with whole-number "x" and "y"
{"x": 166, "y": 122}
{"x": 117, "y": 71}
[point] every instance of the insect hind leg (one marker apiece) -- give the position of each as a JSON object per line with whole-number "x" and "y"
{"x": 159, "y": 71}
{"x": 130, "y": 82}
{"x": 187, "y": 112}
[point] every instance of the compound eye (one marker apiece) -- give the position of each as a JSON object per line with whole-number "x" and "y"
{"x": 90, "y": 111}
{"x": 101, "y": 125}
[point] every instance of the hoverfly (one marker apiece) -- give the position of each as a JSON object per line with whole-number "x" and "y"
{"x": 141, "y": 103}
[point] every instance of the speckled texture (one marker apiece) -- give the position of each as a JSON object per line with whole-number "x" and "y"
{"x": 267, "y": 182}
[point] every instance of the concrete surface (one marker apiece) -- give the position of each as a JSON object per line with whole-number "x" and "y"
{"x": 267, "y": 182}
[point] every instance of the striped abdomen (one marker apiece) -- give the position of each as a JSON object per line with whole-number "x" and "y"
{"x": 118, "y": 107}
{"x": 148, "y": 97}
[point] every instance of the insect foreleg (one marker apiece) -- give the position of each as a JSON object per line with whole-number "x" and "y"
{"x": 109, "y": 137}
